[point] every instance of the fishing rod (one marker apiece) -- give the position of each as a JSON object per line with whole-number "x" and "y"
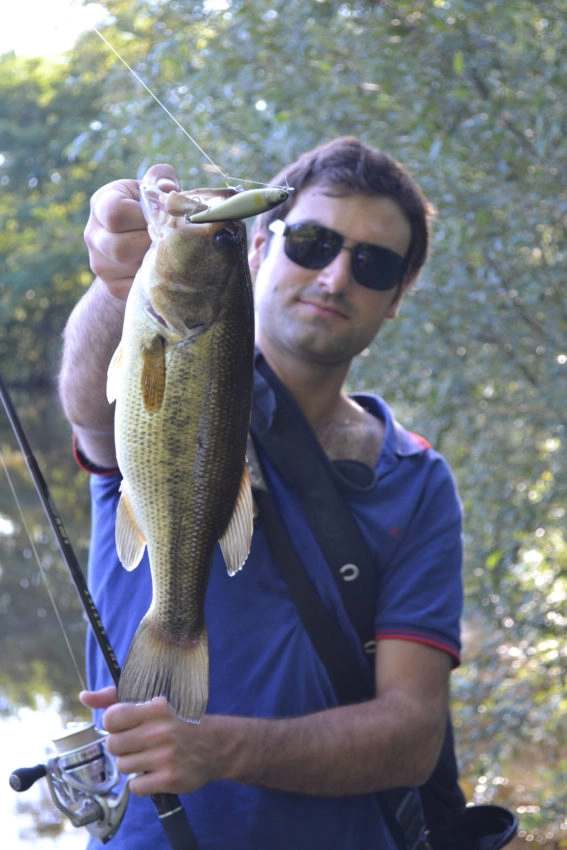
{"x": 71, "y": 775}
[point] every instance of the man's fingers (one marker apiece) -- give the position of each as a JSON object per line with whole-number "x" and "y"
{"x": 164, "y": 176}
{"x": 116, "y": 207}
{"x": 124, "y": 716}
{"x": 125, "y": 254}
{"x": 99, "y": 699}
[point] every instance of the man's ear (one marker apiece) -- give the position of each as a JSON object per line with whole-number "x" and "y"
{"x": 257, "y": 251}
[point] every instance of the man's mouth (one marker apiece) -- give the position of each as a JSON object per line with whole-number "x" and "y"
{"x": 324, "y": 307}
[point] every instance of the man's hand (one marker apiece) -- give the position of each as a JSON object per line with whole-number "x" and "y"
{"x": 168, "y": 754}
{"x": 116, "y": 232}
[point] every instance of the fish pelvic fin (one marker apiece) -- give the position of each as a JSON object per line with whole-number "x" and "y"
{"x": 153, "y": 373}
{"x": 130, "y": 542}
{"x": 113, "y": 375}
{"x": 160, "y": 664}
{"x": 236, "y": 540}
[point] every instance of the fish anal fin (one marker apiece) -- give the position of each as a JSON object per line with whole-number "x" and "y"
{"x": 236, "y": 540}
{"x": 130, "y": 542}
{"x": 153, "y": 373}
{"x": 159, "y": 664}
{"x": 113, "y": 375}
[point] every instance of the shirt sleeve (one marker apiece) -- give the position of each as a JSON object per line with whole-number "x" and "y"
{"x": 420, "y": 596}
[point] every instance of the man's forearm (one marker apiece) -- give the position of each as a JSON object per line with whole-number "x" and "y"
{"x": 391, "y": 741}
{"x": 350, "y": 750}
{"x": 91, "y": 336}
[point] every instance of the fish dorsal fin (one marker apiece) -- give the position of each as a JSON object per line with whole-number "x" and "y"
{"x": 130, "y": 542}
{"x": 153, "y": 373}
{"x": 113, "y": 374}
{"x": 235, "y": 542}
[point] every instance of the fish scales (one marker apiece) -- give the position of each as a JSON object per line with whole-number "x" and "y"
{"x": 182, "y": 379}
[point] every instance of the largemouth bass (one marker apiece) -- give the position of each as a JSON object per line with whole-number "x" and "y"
{"x": 182, "y": 380}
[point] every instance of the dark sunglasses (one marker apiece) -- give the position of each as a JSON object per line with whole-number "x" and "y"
{"x": 314, "y": 247}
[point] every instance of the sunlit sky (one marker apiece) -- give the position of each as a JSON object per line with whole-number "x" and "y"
{"x": 44, "y": 27}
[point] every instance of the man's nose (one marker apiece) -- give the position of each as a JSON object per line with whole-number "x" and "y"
{"x": 337, "y": 276}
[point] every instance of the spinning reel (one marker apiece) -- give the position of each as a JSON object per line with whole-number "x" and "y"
{"x": 82, "y": 779}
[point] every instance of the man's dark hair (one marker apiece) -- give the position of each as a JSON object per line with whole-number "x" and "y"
{"x": 348, "y": 166}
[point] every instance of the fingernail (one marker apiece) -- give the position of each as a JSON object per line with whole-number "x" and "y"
{"x": 166, "y": 183}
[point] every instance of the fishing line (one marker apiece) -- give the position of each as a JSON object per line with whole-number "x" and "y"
{"x": 226, "y": 177}
{"x": 161, "y": 104}
{"x": 43, "y": 574}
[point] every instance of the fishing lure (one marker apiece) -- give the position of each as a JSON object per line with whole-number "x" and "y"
{"x": 243, "y": 205}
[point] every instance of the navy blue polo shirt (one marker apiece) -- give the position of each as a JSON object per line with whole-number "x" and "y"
{"x": 262, "y": 663}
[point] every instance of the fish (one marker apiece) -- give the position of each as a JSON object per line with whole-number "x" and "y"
{"x": 182, "y": 380}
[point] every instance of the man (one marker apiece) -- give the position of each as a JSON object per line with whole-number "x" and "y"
{"x": 276, "y": 762}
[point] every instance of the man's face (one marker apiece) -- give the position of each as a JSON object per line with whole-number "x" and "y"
{"x": 324, "y": 315}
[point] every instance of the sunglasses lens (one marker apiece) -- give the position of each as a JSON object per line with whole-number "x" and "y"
{"x": 311, "y": 246}
{"x": 377, "y": 268}
{"x": 314, "y": 247}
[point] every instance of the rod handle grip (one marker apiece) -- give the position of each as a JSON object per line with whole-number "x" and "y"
{"x": 173, "y": 819}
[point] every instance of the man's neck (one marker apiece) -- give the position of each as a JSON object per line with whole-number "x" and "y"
{"x": 345, "y": 430}
{"x": 316, "y": 388}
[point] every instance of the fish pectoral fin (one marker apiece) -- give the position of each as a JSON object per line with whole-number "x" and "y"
{"x": 236, "y": 540}
{"x": 113, "y": 375}
{"x": 153, "y": 373}
{"x": 130, "y": 542}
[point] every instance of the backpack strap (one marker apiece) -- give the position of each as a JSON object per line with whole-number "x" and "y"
{"x": 276, "y": 428}
{"x": 403, "y": 808}
{"x": 292, "y": 447}
{"x": 323, "y": 628}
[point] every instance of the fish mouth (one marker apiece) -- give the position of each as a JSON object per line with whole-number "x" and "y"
{"x": 178, "y": 204}
{"x": 176, "y": 209}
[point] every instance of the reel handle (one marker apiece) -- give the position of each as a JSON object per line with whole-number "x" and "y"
{"x": 24, "y": 777}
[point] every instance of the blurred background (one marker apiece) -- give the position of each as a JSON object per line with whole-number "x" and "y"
{"x": 472, "y": 98}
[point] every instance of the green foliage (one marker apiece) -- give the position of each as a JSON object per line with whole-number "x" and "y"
{"x": 471, "y": 97}
{"x": 43, "y": 208}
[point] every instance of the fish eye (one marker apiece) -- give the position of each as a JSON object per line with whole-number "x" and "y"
{"x": 225, "y": 238}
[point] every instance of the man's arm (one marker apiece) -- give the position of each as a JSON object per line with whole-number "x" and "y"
{"x": 91, "y": 336}
{"x": 117, "y": 239}
{"x": 393, "y": 740}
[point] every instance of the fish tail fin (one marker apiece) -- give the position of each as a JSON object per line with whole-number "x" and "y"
{"x": 159, "y": 664}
